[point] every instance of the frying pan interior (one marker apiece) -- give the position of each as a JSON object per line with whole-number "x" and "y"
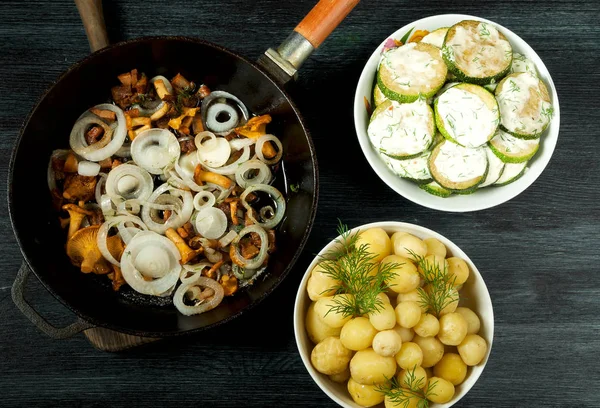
{"x": 88, "y": 83}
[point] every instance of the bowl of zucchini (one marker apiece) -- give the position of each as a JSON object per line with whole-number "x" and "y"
{"x": 456, "y": 113}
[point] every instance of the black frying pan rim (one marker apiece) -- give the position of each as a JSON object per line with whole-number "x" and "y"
{"x": 126, "y": 330}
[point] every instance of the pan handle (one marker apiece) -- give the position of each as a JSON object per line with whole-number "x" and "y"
{"x": 306, "y": 37}
{"x": 93, "y": 21}
{"x": 29, "y": 312}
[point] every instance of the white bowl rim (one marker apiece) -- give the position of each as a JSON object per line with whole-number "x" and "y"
{"x": 299, "y": 315}
{"x": 458, "y": 203}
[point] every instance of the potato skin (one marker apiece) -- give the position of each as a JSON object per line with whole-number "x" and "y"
{"x": 357, "y": 334}
{"x": 378, "y": 241}
{"x": 365, "y": 395}
{"x": 451, "y": 368}
{"x": 317, "y": 330}
{"x": 368, "y": 367}
{"x": 330, "y": 356}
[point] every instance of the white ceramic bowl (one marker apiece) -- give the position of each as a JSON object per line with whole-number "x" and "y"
{"x": 486, "y": 197}
{"x": 474, "y": 295}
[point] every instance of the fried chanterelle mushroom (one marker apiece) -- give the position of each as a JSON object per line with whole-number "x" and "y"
{"x": 82, "y": 249}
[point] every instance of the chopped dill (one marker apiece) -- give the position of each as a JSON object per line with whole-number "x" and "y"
{"x": 359, "y": 275}
{"x": 440, "y": 285}
{"x": 295, "y": 187}
{"x": 401, "y": 396}
{"x": 182, "y": 95}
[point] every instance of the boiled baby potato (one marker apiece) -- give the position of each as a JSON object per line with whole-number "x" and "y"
{"x": 409, "y": 356}
{"x": 434, "y": 264}
{"x": 432, "y": 349}
{"x": 316, "y": 329}
{"x": 405, "y": 278}
{"x": 419, "y": 380}
{"x": 341, "y": 377}
{"x": 472, "y": 349}
{"x": 412, "y": 296}
{"x": 357, "y": 334}
{"x": 387, "y": 343}
{"x": 378, "y": 241}
{"x": 368, "y": 367}
{"x": 453, "y": 329}
{"x": 384, "y": 318}
{"x": 458, "y": 269}
{"x": 452, "y": 305}
{"x": 435, "y": 247}
{"x": 365, "y": 395}
{"x": 320, "y": 284}
{"x": 408, "y": 314}
{"x": 441, "y": 391}
{"x": 323, "y": 308}
{"x": 411, "y": 401}
{"x": 451, "y": 368}
{"x": 330, "y": 356}
{"x": 409, "y": 246}
{"x": 428, "y": 326}
{"x": 473, "y": 322}
{"x": 405, "y": 334}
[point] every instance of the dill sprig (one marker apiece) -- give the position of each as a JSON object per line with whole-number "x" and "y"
{"x": 182, "y": 95}
{"x": 440, "y": 286}
{"x": 359, "y": 275}
{"x": 401, "y": 396}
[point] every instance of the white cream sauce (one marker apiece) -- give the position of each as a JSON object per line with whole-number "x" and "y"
{"x": 514, "y": 100}
{"x": 495, "y": 168}
{"x": 508, "y": 144}
{"x": 409, "y": 67}
{"x": 402, "y": 129}
{"x": 459, "y": 164}
{"x": 521, "y": 63}
{"x": 436, "y": 38}
{"x": 478, "y": 51}
{"x": 466, "y": 117}
{"x": 416, "y": 168}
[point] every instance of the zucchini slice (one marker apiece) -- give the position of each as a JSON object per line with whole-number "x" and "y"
{"x": 411, "y": 71}
{"x": 512, "y": 172}
{"x": 525, "y": 106}
{"x": 477, "y": 52}
{"x": 511, "y": 149}
{"x": 435, "y": 189}
{"x": 402, "y": 131}
{"x": 415, "y": 169}
{"x": 458, "y": 168}
{"x": 378, "y": 96}
{"x": 436, "y": 37}
{"x": 467, "y": 114}
{"x": 521, "y": 63}
{"x": 496, "y": 167}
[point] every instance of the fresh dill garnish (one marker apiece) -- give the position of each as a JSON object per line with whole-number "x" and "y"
{"x": 401, "y": 396}
{"x": 295, "y": 187}
{"x": 353, "y": 266}
{"x": 182, "y": 95}
{"x": 440, "y": 285}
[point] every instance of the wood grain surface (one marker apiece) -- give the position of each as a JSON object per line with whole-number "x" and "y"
{"x": 538, "y": 253}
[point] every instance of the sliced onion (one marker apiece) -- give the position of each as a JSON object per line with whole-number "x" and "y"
{"x": 263, "y": 176}
{"x": 129, "y": 181}
{"x": 204, "y": 306}
{"x": 152, "y": 255}
{"x": 110, "y": 143}
{"x": 215, "y": 111}
{"x": 204, "y": 199}
{"x": 221, "y": 98}
{"x": 259, "y": 259}
{"x": 238, "y": 144}
{"x": 131, "y": 206}
{"x": 124, "y": 151}
{"x": 107, "y": 206}
{"x": 214, "y": 257}
{"x": 244, "y": 273}
{"x": 190, "y": 271}
{"x": 105, "y": 228}
{"x": 227, "y": 238}
{"x": 275, "y": 195}
{"x": 156, "y": 150}
{"x": 165, "y": 81}
{"x": 185, "y": 167}
{"x": 211, "y": 223}
{"x": 56, "y": 154}
{"x": 264, "y": 212}
{"x": 259, "y": 145}
{"x": 180, "y": 215}
{"x": 147, "y": 112}
{"x": 88, "y": 168}
{"x": 230, "y": 168}
{"x": 99, "y": 186}
{"x": 213, "y": 152}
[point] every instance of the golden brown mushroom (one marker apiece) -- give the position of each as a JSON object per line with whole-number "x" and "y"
{"x": 201, "y": 176}
{"x": 117, "y": 278}
{"x": 187, "y": 253}
{"x": 82, "y": 249}
{"x": 212, "y": 272}
{"x": 79, "y": 187}
{"x": 229, "y": 283}
{"x": 76, "y": 216}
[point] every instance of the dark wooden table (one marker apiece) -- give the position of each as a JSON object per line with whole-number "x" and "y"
{"x": 539, "y": 253}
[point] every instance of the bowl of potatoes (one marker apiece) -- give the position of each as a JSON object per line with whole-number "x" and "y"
{"x": 392, "y": 314}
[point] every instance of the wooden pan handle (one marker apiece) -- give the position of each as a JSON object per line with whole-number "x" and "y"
{"x": 323, "y": 19}
{"x": 93, "y": 21}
